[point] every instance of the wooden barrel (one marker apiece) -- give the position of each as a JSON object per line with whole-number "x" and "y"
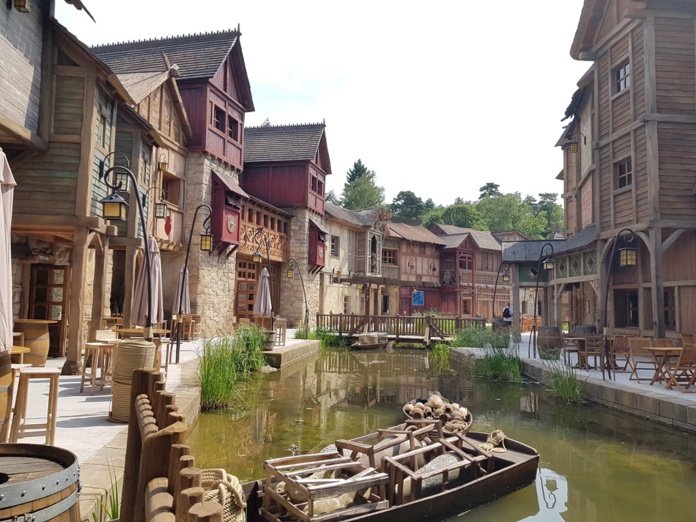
{"x": 549, "y": 341}
{"x": 131, "y": 355}
{"x": 39, "y": 480}
{"x": 37, "y": 339}
{"x": 5, "y": 395}
{"x": 583, "y": 330}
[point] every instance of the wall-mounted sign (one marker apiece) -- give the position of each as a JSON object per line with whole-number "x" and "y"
{"x": 418, "y": 298}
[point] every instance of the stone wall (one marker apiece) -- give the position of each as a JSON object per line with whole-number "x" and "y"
{"x": 212, "y": 277}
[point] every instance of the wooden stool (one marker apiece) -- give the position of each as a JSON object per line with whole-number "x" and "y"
{"x": 98, "y": 355}
{"x": 162, "y": 353}
{"x": 20, "y": 428}
{"x": 281, "y": 326}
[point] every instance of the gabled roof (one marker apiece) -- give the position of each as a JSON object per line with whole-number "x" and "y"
{"x": 443, "y": 230}
{"x": 199, "y": 56}
{"x": 283, "y": 142}
{"x": 454, "y": 240}
{"x": 527, "y": 251}
{"x": 140, "y": 85}
{"x": 586, "y": 237}
{"x": 453, "y": 236}
{"x": 416, "y": 233}
{"x": 590, "y": 19}
{"x": 363, "y": 218}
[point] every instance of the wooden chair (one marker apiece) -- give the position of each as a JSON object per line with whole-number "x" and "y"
{"x": 568, "y": 347}
{"x": 619, "y": 350}
{"x": 594, "y": 347}
{"x": 682, "y": 369}
{"x": 639, "y": 358}
{"x": 281, "y": 326}
{"x": 688, "y": 338}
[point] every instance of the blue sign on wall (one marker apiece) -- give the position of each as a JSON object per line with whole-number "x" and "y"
{"x": 418, "y": 298}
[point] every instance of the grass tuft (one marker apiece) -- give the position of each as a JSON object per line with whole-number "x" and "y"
{"x": 327, "y": 338}
{"x": 564, "y": 382}
{"x": 481, "y": 338}
{"x": 499, "y": 364}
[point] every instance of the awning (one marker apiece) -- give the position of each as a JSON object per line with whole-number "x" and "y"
{"x": 232, "y": 187}
{"x": 319, "y": 226}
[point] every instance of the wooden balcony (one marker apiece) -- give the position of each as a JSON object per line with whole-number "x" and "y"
{"x": 278, "y": 244}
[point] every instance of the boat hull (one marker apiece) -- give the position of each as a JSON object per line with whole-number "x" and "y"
{"x": 513, "y": 470}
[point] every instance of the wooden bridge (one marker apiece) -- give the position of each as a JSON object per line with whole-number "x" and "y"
{"x": 419, "y": 328}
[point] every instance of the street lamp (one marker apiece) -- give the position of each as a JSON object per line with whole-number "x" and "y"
{"x": 114, "y": 208}
{"x": 291, "y": 275}
{"x": 206, "y": 246}
{"x": 628, "y": 256}
{"x": 505, "y": 267}
{"x": 547, "y": 263}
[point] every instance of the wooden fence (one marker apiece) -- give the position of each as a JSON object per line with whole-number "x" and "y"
{"x": 160, "y": 481}
{"x": 412, "y": 327}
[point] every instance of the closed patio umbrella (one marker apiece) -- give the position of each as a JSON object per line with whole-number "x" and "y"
{"x": 7, "y": 184}
{"x": 263, "y": 306}
{"x": 183, "y": 301}
{"x": 139, "y": 306}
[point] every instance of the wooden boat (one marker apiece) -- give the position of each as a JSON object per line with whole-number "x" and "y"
{"x": 371, "y": 341}
{"x": 397, "y": 491}
{"x": 451, "y": 425}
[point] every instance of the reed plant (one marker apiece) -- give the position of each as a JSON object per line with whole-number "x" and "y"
{"x": 111, "y": 507}
{"x": 472, "y": 337}
{"x": 440, "y": 359}
{"x": 499, "y": 364}
{"x": 224, "y": 360}
{"x": 327, "y": 338}
{"x": 563, "y": 381}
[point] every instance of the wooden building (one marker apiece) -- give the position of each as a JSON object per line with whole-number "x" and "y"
{"x": 285, "y": 166}
{"x": 629, "y": 169}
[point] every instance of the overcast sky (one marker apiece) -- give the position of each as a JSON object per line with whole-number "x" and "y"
{"x": 436, "y": 97}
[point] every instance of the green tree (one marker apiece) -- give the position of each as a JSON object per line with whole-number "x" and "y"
{"x": 490, "y": 190}
{"x": 406, "y": 206}
{"x": 362, "y": 193}
{"x": 510, "y": 212}
{"x": 464, "y": 215}
{"x": 331, "y": 197}
{"x": 358, "y": 170}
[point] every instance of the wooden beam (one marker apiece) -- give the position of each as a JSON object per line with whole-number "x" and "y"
{"x": 99, "y": 293}
{"x": 23, "y": 134}
{"x": 78, "y": 283}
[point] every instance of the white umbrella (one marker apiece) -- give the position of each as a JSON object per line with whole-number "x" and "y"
{"x": 7, "y": 184}
{"x": 139, "y": 306}
{"x": 262, "y": 304}
{"x": 186, "y": 298}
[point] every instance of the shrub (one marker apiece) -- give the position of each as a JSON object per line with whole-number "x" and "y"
{"x": 481, "y": 338}
{"x": 440, "y": 359}
{"x": 564, "y": 382}
{"x": 500, "y": 365}
{"x": 327, "y": 338}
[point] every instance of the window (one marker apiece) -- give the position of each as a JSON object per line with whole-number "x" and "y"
{"x": 389, "y": 257}
{"x": 670, "y": 309}
{"x": 335, "y": 246}
{"x": 626, "y": 307}
{"x": 385, "y": 304}
{"x": 232, "y": 128}
{"x": 346, "y": 304}
{"x": 622, "y": 77}
{"x": 219, "y": 118}
{"x": 624, "y": 173}
{"x": 171, "y": 189}
{"x": 466, "y": 262}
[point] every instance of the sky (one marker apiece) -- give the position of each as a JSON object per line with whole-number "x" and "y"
{"x": 438, "y": 98}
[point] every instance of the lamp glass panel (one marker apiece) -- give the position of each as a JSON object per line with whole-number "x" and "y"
{"x": 206, "y": 242}
{"x": 290, "y": 273}
{"x": 124, "y": 180}
{"x": 338, "y": 273}
{"x": 257, "y": 257}
{"x": 549, "y": 264}
{"x": 115, "y": 210}
{"x": 628, "y": 256}
{"x": 163, "y": 166}
{"x": 506, "y": 278}
{"x": 574, "y": 147}
{"x": 160, "y": 210}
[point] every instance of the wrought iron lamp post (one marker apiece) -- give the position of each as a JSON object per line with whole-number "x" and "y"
{"x": 206, "y": 246}
{"x": 547, "y": 263}
{"x": 628, "y": 256}
{"x": 114, "y": 208}
{"x": 505, "y": 267}
{"x": 291, "y": 274}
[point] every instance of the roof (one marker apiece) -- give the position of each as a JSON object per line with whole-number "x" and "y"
{"x": 321, "y": 227}
{"x": 586, "y": 237}
{"x": 140, "y": 85}
{"x": 454, "y": 240}
{"x": 361, "y": 218}
{"x": 449, "y": 229}
{"x": 414, "y": 233}
{"x": 527, "y": 251}
{"x": 199, "y": 56}
{"x": 282, "y": 142}
{"x": 453, "y": 237}
{"x": 231, "y": 185}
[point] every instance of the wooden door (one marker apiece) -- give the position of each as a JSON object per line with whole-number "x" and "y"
{"x": 247, "y": 280}
{"x": 48, "y": 300}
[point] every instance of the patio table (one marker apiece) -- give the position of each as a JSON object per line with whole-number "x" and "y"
{"x": 660, "y": 355}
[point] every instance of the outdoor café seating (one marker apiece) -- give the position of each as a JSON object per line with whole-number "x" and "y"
{"x": 620, "y": 352}
{"x": 640, "y": 358}
{"x": 594, "y": 348}
{"x": 682, "y": 369}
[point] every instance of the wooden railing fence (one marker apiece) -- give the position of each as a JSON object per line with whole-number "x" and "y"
{"x": 423, "y": 327}
{"x": 160, "y": 481}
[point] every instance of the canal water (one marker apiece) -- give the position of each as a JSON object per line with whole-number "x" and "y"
{"x": 596, "y": 464}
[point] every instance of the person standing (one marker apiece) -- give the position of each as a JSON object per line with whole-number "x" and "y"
{"x": 507, "y": 315}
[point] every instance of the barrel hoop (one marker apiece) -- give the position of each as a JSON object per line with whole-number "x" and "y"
{"x": 49, "y": 513}
{"x": 22, "y": 493}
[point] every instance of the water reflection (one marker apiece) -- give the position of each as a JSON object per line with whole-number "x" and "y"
{"x": 596, "y": 464}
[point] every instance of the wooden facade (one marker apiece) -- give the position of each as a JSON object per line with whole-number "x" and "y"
{"x": 634, "y": 122}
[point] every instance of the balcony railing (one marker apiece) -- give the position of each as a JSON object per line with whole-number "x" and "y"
{"x": 278, "y": 243}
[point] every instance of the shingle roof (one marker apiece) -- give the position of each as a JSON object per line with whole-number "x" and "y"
{"x": 586, "y": 237}
{"x": 362, "y": 218}
{"x": 199, "y": 56}
{"x": 282, "y": 142}
{"x": 140, "y": 85}
{"x": 414, "y": 233}
{"x": 526, "y": 251}
{"x": 454, "y": 240}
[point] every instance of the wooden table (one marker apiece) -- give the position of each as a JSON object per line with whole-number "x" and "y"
{"x": 36, "y": 338}
{"x": 19, "y": 337}
{"x": 580, "y": 345}
{"x": 127, "y": 333}
{"x": 18, "y": 354}
{"x": 660, "y": 355}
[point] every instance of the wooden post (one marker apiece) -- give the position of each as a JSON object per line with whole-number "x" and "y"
{"x": 211, "y": 511}
{"x": 99, "y": 297}
{"x": 78, "y": 283}
{"x": 189, "y": 478}
{"x": 175, "y": 453}
{"x": 187, "y": 499}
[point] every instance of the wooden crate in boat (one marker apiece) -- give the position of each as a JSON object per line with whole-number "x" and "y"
{"x": 315, "y": 478}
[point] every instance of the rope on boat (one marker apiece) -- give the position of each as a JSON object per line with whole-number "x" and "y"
{"x": 495, "y": 442}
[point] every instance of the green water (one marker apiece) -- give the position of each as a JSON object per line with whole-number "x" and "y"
{"x": 596, "y": 464}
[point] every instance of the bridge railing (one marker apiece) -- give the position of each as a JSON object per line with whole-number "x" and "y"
{"x": 397, "y": 325}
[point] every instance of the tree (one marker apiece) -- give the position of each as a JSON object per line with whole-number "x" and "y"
{"x": 406, "y": 206}
{"x": 266, "y": 123}
{"x": 510, "y": 212}
{"x": 358, "y": 170}
{"x": 362, "y": 193}
{"x": 331, "y": 197}
{"x": 551, "y": 211}
{"x": 464, "y": 215}
{"x": 490, "y": 190}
